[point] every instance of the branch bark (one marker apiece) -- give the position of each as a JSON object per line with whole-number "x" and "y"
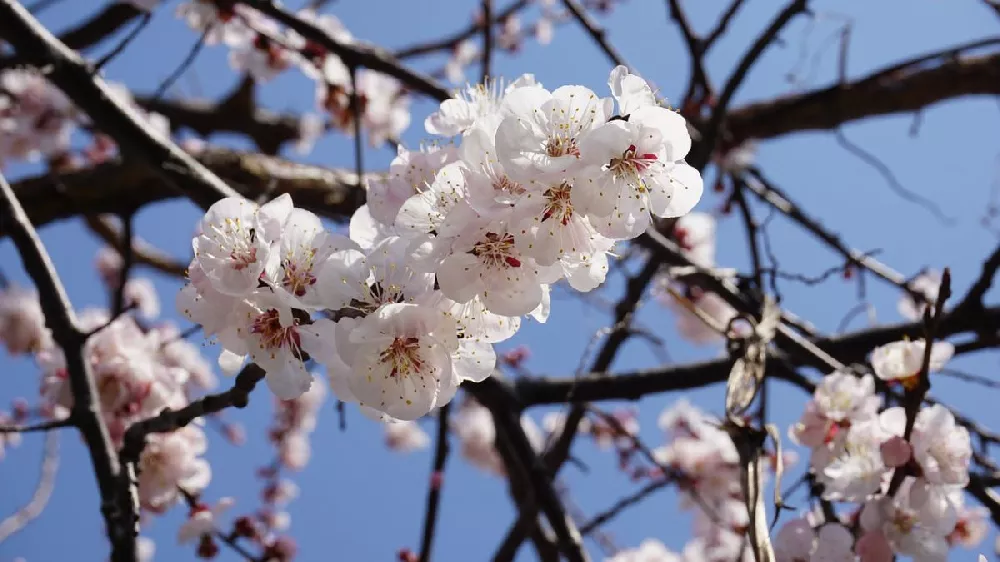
{"x": 879, "y": 93}
{"x": 77, "y": 79}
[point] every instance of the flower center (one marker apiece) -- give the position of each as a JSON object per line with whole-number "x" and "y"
{"x": 632, "y": 164}
{"x": 272, "y": 334}
{"x": 403, "y": 354}
{"x": 508, "y": 186}
{"x": 903, "y": 522}
{"x": 299, "y": 276}
{"x": 558, "y": 204}
{"x": 561, "y": 145}
{"x": 496, "y": 251}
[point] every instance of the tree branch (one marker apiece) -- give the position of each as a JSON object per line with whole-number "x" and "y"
{"x": 880, "y": 93}
{"x": 43, "y": 491}
{"x": 436, "y": 481}
{"x": 85, "y": 412}
{"x": 356, "y": 54}
{"x": 114, "y": 187}
{"x": 89, "y": 92}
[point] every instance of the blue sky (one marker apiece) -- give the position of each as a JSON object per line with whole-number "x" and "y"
{"x": 361, "y": 502}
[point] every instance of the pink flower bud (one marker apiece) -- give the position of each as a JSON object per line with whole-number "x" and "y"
{"x": 896, "y": 452}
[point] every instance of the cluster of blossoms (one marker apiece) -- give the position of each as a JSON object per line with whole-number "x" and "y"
{"x": 455, "y": 246}
{"x": 855, "y": 452}
{"x": 37, "y": 121}
{"x": 260, "y": 47}
{"x": 138, "y": 370}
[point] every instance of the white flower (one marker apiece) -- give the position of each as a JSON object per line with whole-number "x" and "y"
{"x": 637, "y": 170}
{"x": 22, "y": 323}
{"x": 364, "y": 281}
{"x": 140, "y": 293}
{"x": 267, "y": 330}
{"x": 927, "y": 284}
{"x": 203, "y": 520}
{"x": 476, "y": 104}
{"x": 902, "y": 360}
{"x": 549, "y": 228}
{"x": 386, "y": 108}
{"x": 36, "y": 118}
{"x": 915, "y": 522}
{"x": 798, "y": 542}
{"x": 12, "y": 439}
{"x": 941, "y": 447}
{"x": 630, "y": 91}
{"x": 405, "y": 436}
{"x": 650, "y": 550}
{"x": 856, "y": 469}
{"x": 843, "y": 397}
{"x": 399, "y": 355}
{"x": 261, "y": 52}
{"x": 486, "y": 262}
{"x": 236, "y": 242}
{"x": 304, "y": 248}
{"x": 172, "y": 460}
{"x": 462, "y": 55}
{"x": 695, "y": 234}
{"x": 541, "y": 137}
{"x": 410, "y": 173}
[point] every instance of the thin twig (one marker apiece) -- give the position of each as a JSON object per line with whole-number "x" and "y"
{"x": 44, "y": 426}
{"x": 596, "y": 32}
{"x": 436, "y": 481}
{"x": 487, "y": 40}
{"x": 59, "y": 317}
{"x": 192, "y": 54}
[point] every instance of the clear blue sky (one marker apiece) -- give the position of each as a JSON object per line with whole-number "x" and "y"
{"x": 361, "y": 502}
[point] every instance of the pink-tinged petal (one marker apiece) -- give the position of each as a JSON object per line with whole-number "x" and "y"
{"x": 688, "y": 188}
{"x": 273, "y": 214}
{"x": 459, "y": 277}
{"x": 672, "y": 127}
{"x": 289, "y": 382}
{"x": 474, "y": 361}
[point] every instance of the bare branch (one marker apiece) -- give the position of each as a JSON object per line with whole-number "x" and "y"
{"x": 436, "y": 481}
{"x": 596, "y": 32}
{"x": 112, "y": 188}
{"x": 356, "y": 54}
{"x": 85, "y": 412}
{"x": 884, "y": 92}
{"x": 136, "y": 140}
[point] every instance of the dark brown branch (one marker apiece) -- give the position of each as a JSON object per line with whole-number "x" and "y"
{"x": 452, "y": 41}
{"x": 237, "y": 113}
{"x": 498, "y": 399}
{"x": 766, "y": 192}
{"x": 622, "y": 505}
{"x": 487, "y": 40}
{"x": 98, "y": 28}
{"x": 170, "y": 420}
{"x": 879, "y": 93}
{"x": 848, "y": 348}
{"x": 974, "y": 298}
{"x": 718, "y": 119}
{"x": 722, "y": 25}
{"x": 59, "y": 317}
{"x": 44, "y": 426}
{"x": 116, "y": 187}
{"x": 436, "y": 481}
{"x": 356, "y": 54}
{"x": 142, "y": 254}
{"x": 596, "y": 32}
{"x": 89, "y": 92}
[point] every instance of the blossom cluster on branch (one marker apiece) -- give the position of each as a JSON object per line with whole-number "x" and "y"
{"x": 454, "y": 247}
